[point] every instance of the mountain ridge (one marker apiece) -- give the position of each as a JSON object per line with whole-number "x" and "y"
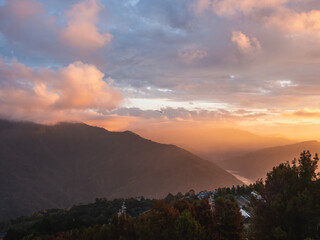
{"x": 56, "y": 166}
{"x": 255, "y": 165}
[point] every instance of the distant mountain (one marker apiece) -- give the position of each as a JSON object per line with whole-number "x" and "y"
{"x": 256, "y": 164}
{"x": 215, "y": 143}
{"x": 57, "y": 166}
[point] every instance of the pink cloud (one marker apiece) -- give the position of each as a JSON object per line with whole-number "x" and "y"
{"x": 66, "y": 93}
{"x": 296, "y": 23}
{"x": 281, "y": 16}
{"x": 29, "y": 24}
{"x": 232, "y": 7}
{"x": 25, "y": 9}
{"x": 244, "y": 43}
{"x": 81, "y": 31}
{"x": 201, "y": 5}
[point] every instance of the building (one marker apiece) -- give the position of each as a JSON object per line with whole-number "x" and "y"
{"x": 123, "y": 209}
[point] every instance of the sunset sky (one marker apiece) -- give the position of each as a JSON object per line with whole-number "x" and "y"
{"x": 156, "y": 65}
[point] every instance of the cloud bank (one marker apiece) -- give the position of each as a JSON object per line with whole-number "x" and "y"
{"x": 50, "y": 95}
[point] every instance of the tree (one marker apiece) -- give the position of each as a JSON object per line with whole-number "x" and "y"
{"x": 228, "y": 219}
{"x": 191, "y": 195}
{"x": 182, "y": 205}
{"x": 122, "y": 227}
{"x": 157, "y": 224}
{"x": 169, "y": 198}
{"x": 289, "y": 203}
{"x": 187, "y": 228}
{"x": 203, "y": 213}
{"x": 307, "y": 167}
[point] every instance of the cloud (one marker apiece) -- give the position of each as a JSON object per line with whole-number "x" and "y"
{"x": 233, "y": 7}
{"x": 244, "y": 43}
{"x": 181, "y": 114}
{"x": 82, "y": 86}
{"x": 31, "y": 30}
{"x": 25, "y": 9}
{"x": 191, "y": 55}
{"x": 27, "y": 23}
{"x": 176, "y": 15}
{"x": 305, "y": 113}
{"x": 81, "y": 31}
{"x": 296, "y": 23}
{"x": 44, "y": 94}
{"x": 240, "y": 54}
{"x": 201, "y": 5}
{"x": 272, "y": 13}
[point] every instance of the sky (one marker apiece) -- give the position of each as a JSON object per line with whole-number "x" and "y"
{"x": 155, "y": 65}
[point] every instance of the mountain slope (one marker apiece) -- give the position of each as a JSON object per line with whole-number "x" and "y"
{"x": 255, "y": 165}
{"x": 57, "y": 166}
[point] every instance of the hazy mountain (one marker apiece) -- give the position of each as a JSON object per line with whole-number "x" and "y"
{"x": 215, "y": 143}
{"x": 256, "y": 164}
{"x": 64, "y": 164}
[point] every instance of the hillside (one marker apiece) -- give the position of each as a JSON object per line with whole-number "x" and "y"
{"x": 56, "y": 166}
{"x": 256, "y": 164}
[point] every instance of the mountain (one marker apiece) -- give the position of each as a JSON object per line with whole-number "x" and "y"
{"x": 70, "y": 163}
{"x": 214, "y": 143}
{"x": 256, "y": 164}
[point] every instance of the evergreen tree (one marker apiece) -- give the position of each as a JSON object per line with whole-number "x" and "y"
{"x": 289, "y": 205}
{"x": 228, "y": 219}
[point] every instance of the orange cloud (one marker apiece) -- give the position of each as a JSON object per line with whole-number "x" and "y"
{"x": 82, "y": 86}
{"x": 304, "y": 113}
{"x": 81, "y": 31}
{"x": 75, "y": 90}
